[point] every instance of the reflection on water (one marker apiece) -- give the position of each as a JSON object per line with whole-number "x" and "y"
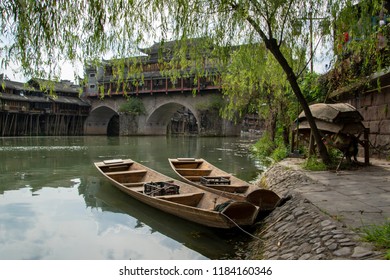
{"x": 55, "y": 205}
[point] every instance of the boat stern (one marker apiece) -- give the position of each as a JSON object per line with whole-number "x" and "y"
{"x": 266, "y": 200}
{"x": 240, "y": 213}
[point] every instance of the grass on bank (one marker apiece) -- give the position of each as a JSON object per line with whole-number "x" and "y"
{"x": 268, "y": 151}
{"x": 379, "y": 235}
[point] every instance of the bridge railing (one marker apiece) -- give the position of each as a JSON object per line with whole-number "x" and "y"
{"x": 161, "y": 85}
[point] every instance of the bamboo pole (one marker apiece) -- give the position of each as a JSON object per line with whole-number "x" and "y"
{"x": 5, "y": 124}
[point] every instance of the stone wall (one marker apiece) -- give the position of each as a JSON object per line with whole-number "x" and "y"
{"x": 374, "y": 105}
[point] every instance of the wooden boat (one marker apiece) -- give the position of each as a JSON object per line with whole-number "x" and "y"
{"x": 176, "y": 197}
{"x": 204, "y": 175}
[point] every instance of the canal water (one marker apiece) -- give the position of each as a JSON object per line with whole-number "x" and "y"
{"x": 55, "y": 205}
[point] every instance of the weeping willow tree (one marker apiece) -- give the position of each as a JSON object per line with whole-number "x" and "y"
{"x": 252, "y": 84}
{"x": 42, "y": 34}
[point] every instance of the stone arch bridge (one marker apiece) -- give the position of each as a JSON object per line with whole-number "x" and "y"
{"x": 160, "y": 109}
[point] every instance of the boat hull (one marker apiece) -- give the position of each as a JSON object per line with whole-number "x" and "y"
{"x": 197, "y": 171}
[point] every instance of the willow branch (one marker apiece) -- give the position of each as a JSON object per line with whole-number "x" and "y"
{"x": 284, "y": 22}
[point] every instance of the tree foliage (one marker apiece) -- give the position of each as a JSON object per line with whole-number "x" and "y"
{"x": 133, "y": 106}
{"x": 252, "y": 84}
{"x": 43, "y": 33}
{"x": 360, "y": 46}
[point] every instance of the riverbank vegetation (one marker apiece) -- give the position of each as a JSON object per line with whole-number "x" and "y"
{"x": 379, "y": 235}
{"x": 275, "y": 142}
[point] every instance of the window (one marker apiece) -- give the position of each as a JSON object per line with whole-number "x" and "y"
{"x": 92, "y": 86}
{"x": 92, "y": 75}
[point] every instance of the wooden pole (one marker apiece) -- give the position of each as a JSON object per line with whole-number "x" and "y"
{"x": 311, "y": 144}
{"x": 5, "y": 124}
{"x": 366, "y": 147}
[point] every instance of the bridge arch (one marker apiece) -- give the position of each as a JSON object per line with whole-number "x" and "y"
{"x": 102, "y": 120}
{"x": 160, "y": 117}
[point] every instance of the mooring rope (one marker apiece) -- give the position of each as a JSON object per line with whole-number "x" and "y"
{"x": 250, "y": 234}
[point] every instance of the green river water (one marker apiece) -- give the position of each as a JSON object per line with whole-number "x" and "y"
{"x": 55, "y": 205}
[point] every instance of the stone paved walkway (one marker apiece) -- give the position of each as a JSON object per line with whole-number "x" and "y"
{"x": 357, "y": 197}
{"x": 325, "y": 210}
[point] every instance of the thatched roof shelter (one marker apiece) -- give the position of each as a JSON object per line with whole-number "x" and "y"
{"x": 334, "y": 118}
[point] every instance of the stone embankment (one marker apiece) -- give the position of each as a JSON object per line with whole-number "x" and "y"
{"x": 299, "y": 230}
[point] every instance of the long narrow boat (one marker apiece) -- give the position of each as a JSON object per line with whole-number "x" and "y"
{"x": 206, "y": 176}
{"x": 175, "y": 197}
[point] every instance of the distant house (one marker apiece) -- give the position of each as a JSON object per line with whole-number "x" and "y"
{"x": 41, "y": 107}
{"x": 64, "y": 96}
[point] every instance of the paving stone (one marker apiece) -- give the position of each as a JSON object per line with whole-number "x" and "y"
{"x": 287, "y": 256}
{"x": 316, "y": 246}
{"x": 344, "y": 240}
{"x": 320, "y": 250}
{"x": 305, "y": 257}
{"x": 326, "y": 223}
{"x": 292, "y": 249}
{"x": 330, "y": 227}
{"x": 289, "y": 218}
{"x": 315, "y": 240}
{"x": 318, "y": 257}
{"x": 342, "y": 252}
{"x": 298, "y": 213}
{"x": 323, "y": 233}
{"x": 271, "y": 254}
{"x": 361, "y": 252}
{"x": 326, "y": 238}
{"x": 346, "y": 244}
{"x": 329, "y": 242}
{"x": 305, "y": 248}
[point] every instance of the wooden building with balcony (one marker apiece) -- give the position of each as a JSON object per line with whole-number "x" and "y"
{"x": 151, "y": 73}
{"x": 41, "y": 107}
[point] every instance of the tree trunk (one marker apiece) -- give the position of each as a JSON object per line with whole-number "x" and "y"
{"x": 273, "y": 47}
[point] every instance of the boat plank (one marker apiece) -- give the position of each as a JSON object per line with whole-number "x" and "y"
{"x": 229, "y": 188}
{"x": 190, "y": 199}
{"x": 193, "y": 171}
{"x": 126, "y": 172}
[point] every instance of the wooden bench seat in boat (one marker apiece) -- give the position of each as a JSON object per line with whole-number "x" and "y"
{"x": 193, "y": 171}
{"x": 197, "y": 178}
{"x": 229, "y": 188}
{"x": 115, "y": 165}
{"x": 187, "y": 163}
{"x": 193, "y": 178}
{"x": 130, "y": 172}
{"x": 115, "y": 162}
{"x": 226, "y": 188}
{"x": 190, "y": 199}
